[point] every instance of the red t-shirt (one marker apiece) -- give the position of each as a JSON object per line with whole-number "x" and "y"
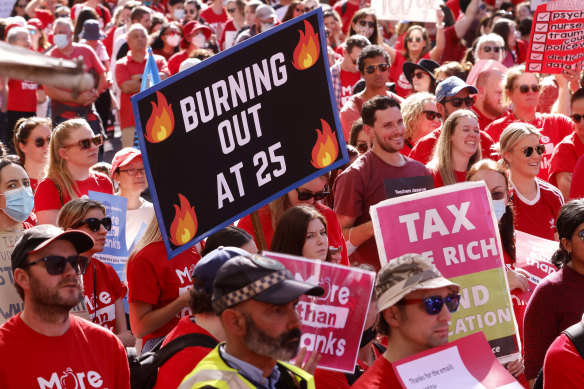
{"x": 154, "y": 279}
{"x": 228, "y": 35}
{"x": 217, "y": 22}
{"x": 22, "y": 96}
{"x": 553, "y": 128}
{"x": 171, "y": 374}
{"x": 483, "y": 120}
{"x": 348, "y": 80}
{"x": 125, "y": 68}
{"x": 46, "y": 17}
{"x": 360, "y": 186}
{"x": 538, "y": 216}
{"x": 109, "y": 288}
{"x": 379, "y": 375}
{"x": 423, "y": 148}
{"x": 563, "y": 366}
{"x": 175, "y": 61}
{"x": 565, "y": 156}
{"x": 346, "y": 16}
{"x": 438, "y": 182}
{"x": 577, "y": 186}
{"x": 47, "y": 195}
{"x": 86, "y": 356}
{"x": 453, "y": 50}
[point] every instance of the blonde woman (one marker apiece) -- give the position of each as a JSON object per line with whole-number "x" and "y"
{"x": 421, "y": 117}
{"x": 73, "y": 150}
{"x": 457, "y": 149}
{"x": 490, "y": 46}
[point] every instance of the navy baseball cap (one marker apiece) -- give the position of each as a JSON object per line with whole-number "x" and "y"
{"x": 451, "y": 86}
{"x": 207, "y": 267}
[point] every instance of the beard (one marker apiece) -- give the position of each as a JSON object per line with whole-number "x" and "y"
{"x": 386, "y": 146}
{"x": 283, "y": 348}
{"x": 491, "y": 109}
{"x": 51, "y": 302}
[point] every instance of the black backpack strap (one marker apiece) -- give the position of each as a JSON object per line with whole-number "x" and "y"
{"x": 576, "y": 335}
{"x": 176, "y": 345}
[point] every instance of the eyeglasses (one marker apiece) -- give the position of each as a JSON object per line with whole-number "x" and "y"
{"x": 434, "y": 304}
{"x": 55, "y": 264}
{"x": 298, "y": 9}
{"x": 419, "y": 75}
{"x": 576, "y": 118}
{"x": 231, "y": 10}
{"x": 363, "y": 147}
{"x": 365, "y": 23}
{"x": 528, "y": 151}
{"x": 40, "y": 142}
{"x": 525, "y": 88}
{"x": 133, "y": 172}
{"x": 382, "y": 68}
{"x": 86, "y": 143}
{"x": 306, "y": 195}
{"x": 431, "y": 115}
{"x": 417, "y": 39}
{"x": 496, "y": 49}
{"x": 457, "y": 101}
{"x": 95, "y": 224}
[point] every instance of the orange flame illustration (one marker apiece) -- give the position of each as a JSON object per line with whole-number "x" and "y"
{"x": 325, "y": 150}
{"x": 308, "y": 49}
{"x": 161, "y": 122}
{"x": 184, "y": 226}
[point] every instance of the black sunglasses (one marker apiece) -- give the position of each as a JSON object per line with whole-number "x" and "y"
{"x": 94, "y": 223}
{"x": 363, "y": 147}
{"x": 86, "y": 143}
{"x": 431, "y": 115}
{"x": 528, "y": 151}
{"x": 419, "y": 75}
{"x": 40, "y": 142}
{"x": 496, "y": 49}
{"x": 364, "y": 23}
{"x": 231, "y": 10}
{"x": 306, "y": 195}
{"x": 457, "y": 101}
{"x": 434, "y": 304}
{"x": 525, "y": 88}
{"x": 382, "y": 67}
{"x": 55, "y": 264}
{"x": 417, "y": 39}
{"x": 576, "y": 118}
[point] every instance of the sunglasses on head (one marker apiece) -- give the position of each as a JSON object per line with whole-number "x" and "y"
{"x": 306, "y": 195}
{"x": 40, "y": 142}
{"x": 55, "y": 264}
{"x": 364, "y": 23}
{"x": 431, "y": 115}
{"x": 434, "y": 304}
{"x": 94, "y": 223}
{"x": 528, "y": 151}
{"x": 363, "y": 147}
{"x": 417, "y": 39}
{"x": 576, "y": 118}
{"x": 382, "y": 67}
{"x": 87, "y": 142}
{"x": 457, "y": 101}
{"x": 496, "y": 49}
{"x": 525, "y": 88}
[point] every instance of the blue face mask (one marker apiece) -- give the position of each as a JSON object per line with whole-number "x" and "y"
{"x": 19, "y": 203}
{"x": 499, "y": 206}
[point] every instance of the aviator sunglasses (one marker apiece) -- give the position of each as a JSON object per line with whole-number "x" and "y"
{"x": 306, "y": 195}
{"x": 382, "y": 67}
{"x": 457, "y": 101}
{"x": 55, "y": 264}
{"x": 528, "y": 151}
{"x": 86, "y": 143}
{"x": 94, "y": 223}
{"x": 434, "y": 304}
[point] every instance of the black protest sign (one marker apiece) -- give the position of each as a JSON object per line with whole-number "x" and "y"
{"x": 239, "y": 130}
{"x": 395, "y": 187}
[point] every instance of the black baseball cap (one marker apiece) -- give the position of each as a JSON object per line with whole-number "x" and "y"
{"x": 38, "y": 237}
{"x": 259, "y": 278}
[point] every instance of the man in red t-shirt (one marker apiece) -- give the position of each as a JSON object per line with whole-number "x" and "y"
{"x": 69, "y": 352}
{"x": 415, "y": 303}
{"x": 129, "y": 72}
{"x": 488, "y": 105}
{"x": 344, "y": 73}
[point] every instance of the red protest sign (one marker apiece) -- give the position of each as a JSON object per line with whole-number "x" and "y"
{"x": 557, "y": 37}
{"x": 332, "y": 323}
{"x": 468, "y": 362}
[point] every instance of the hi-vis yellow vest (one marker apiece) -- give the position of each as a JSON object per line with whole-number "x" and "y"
{"x": 213, "y": 371}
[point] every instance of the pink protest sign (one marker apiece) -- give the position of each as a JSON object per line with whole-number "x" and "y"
{"x": 332, "y": 323}
{"x": 455, "y": 228}
{"x": 468, "y": 362}
{"x": 557, "y": 37}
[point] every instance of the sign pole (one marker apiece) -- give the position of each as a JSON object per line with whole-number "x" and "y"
{"x": 258, "y": 231}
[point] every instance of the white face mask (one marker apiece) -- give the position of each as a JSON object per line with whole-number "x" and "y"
{"x": 61, "y": 40}
{"x": 499, "y": 206}
{"x": 198, "y": 40}
{"x": 178, "y": 14}
{"x": 364, "y": 30}
{"x": 173, "y": 40}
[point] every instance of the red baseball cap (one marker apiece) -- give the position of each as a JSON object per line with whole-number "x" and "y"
{"x": 124, "y": 157}
{"x": 191, "y": 28}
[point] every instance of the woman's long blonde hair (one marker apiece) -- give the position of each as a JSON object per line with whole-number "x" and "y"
{"x": 75, "y": 210}
{"x": 151, "y": 235}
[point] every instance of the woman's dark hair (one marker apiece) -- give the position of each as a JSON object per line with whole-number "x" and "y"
{"x": 375, "y": 37}
{"x": 355, "y": 131}
{"x": 158, "y": 43}
{"x": 290, "y": 11}
{"x": 578, "y": 95}
{"x": 228, "y": 236}
{"x": 22, "y": 130}
{"x": 85, "y": 14}
{"x": 524, "y": 26}
{"x": 571, "y": 216}
{"x": 502, "y": 28}
{"x": 290, "y": 233}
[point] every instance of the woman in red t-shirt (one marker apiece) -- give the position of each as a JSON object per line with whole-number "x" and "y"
{"x": 73, "y": 151}
{"x": 103, "y": 291}
{"x": 31, "y": 142}
{"x": 457, "y": 149}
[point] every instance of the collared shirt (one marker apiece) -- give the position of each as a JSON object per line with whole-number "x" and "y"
{"x": 336, "y": 81}
{"x": 250, "y": 371}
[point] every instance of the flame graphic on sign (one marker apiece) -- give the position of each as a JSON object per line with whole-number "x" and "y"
{"x": 184, "y": 226}
{"x": 326, "y": 149}
{"x": 307, "y": 51}
{"x": 161, "y": 122}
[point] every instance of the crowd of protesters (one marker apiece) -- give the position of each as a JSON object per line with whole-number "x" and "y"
{"x": 449, "y": 99}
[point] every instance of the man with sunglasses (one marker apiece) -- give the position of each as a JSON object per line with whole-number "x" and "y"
{"x": 452, "y": 94}
{"x": 45, "y": 345}
{"x": 344, "y": 73}
{"x": 415, "y": 303}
